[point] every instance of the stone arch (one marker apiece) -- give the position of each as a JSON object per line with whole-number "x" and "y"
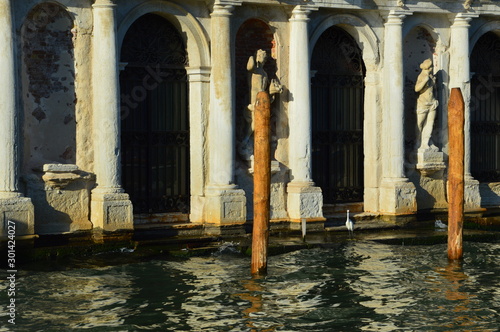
{"x": 359, "y": 30}
{"x": 337, "y": 104}
{"x": 24, "y": 17}
{"x": 493, "y": 26}
{"x": 198, "y": 51}
{"x": 155, "y": 116}
{"x": 485, "y": 105}
{"x": 368, "y": 43}
{"x": 48, "y": 83}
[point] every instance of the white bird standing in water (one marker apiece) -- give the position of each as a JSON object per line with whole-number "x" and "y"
{"x": 349, "y": 224}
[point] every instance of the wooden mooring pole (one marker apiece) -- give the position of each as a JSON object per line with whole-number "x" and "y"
{"x": 456, "y": 121}
{"x": 261, "y": 183}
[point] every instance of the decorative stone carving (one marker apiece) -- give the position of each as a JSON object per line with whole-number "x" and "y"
{"x": 467, "y": 4}
{"x": 430, "y": 161}
{"x": 258, "y": 81}
{"x": 426, "y": 104}
{"x": 429, "y": 158}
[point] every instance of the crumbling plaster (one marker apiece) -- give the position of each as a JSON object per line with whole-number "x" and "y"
{"x": 81, "y": 14}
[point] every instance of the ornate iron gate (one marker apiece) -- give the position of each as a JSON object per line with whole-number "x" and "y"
{"x": 337, "y": 117}
{"x": 485, "y": 109}
{"x": 155, "y": 127}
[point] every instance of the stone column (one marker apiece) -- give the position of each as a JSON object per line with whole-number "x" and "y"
{"x": 13, "y": 206}
{"x": 199, "y": 80}
{"x": 397, "y": 194}
{"x": 225, "y": 203}
{"x": 460, "y": 78}
{"x": 373, "y": 133}
{"x": 304, "y": 199}
{"x": 111, "y": 208}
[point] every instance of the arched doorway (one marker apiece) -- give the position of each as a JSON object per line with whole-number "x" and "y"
{"x": 155, "y": 122}
{"x": 337, "y": 93}
{"x": 485, "y": 108}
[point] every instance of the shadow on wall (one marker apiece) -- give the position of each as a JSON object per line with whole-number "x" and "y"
{"x": 48, "y": 82}
{"x": 490, "y": 194}
{"x": 61, "y": 197}
{"x": 59, "y": 191}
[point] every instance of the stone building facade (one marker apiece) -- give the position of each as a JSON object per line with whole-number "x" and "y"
{"x": 115, "y": 113}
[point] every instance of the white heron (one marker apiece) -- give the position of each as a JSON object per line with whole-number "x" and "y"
{"x": 349, "y": 224}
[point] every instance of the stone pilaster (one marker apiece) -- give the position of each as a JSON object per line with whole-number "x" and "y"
{"x": 199, "y": 80}
{"x": 397, "y": 194}
{"x": 460, "y": 78}
{"x": 13, "y": 206}
{"x": 111, "y": 208}
{"x": 305, "y": 200}
{"x": 373, "y": 164}
{"x": 225, "y": 202}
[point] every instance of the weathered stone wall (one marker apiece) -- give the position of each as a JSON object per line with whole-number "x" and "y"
{"x": 55, "y": 70}
{"x": 55, "y": 41}
{"x": 49, "y": 97}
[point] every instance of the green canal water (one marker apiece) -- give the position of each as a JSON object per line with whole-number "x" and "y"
{"x": 355, "y": 286}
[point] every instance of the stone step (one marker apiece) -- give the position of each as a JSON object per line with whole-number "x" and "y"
{"x": 330, "y": 209}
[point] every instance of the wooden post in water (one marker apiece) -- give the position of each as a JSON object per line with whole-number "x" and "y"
{"x": 261, "y": 182}
{"x": 456, "y": 120}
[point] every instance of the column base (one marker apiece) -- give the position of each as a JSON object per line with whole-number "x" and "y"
{"x": 196, "y": 209}
{"x": 429, "y": 161}
{"x": 472, "y": 196}
{"x": 111, "y": 211}
{"x": 398, "y": 196}
{"x": 225, "y": 205}
{"x": 20, "y": 210}
{"x": 371, "y": 200}
{"x": 304, "y": 201}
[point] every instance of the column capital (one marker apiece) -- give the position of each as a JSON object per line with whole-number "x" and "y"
{"x": 198, "y": 74}
{"x": 228, "y": 2}
{"x": 467, "y": 4}
{"x": 396, "y": 17}
{"x": 223, "y": 8}
{"x": 461, "y": 20}
{"x": 301, "y": 12}
{"x": 104, "y": 3}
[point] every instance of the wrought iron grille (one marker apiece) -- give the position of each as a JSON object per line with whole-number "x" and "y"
{"x": 155, "y": 127}
{"x": 337, "y": 117}
{"x": 485, "y": 109}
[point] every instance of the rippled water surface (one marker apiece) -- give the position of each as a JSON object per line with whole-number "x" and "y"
{"x": 359, "y": 286}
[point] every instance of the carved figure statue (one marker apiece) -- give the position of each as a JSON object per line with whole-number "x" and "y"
{"x": 467, "y": 4}
{"x": 258, "y": 81}
{"x": 426, "y": 105}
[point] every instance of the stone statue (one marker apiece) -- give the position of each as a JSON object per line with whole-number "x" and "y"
{"x": 258, "y": 81}
{"x": 467, "y": 4}
{"x": 426, "y": 105}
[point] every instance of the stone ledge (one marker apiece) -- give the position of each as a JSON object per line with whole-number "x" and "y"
{"x": 60, "y": 168}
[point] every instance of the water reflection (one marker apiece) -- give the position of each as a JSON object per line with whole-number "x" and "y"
{"x": 81, "y": 298}
{"x": 362, "y": 286}
{"x": 380, "y": 267}
{"x": 253, "y": 295}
